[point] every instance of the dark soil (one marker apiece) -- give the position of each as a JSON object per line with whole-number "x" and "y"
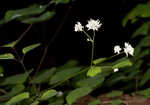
{"x": 133, "y": 99}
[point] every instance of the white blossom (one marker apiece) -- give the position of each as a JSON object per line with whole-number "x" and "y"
{"x": 117, "y": 49}
{"x": 93, "y": 25}
{"x": 116, "y": 70}
{"x": 59, "y": 93}
{"x": 78, "y": 27}
{"x": 128, "y": 49}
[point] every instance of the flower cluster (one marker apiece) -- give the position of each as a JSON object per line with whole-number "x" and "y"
{"x": 78, "y": 27}
{"x": 128, "y": 49}
{"x": 92, "y": 25}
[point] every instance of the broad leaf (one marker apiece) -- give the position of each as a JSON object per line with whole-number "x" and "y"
{"x": 15, "y": 79}
{"x": 117, "y": 102}
{"x": 11, "y": 44}
{"x": 142, "y": 30}
{"x": 58, "y": 101}
{"x": 14, "y": 91}
{"x": 93, "y": 71}
{"x": 77, "y": 93}
{"x": 61, "y": 1}
{"x": 123, "y": 63}
{"x": 141, "y": 10}
{"x": 115, "y": 79}
{"x": 48, "y": 94}
{"x": 44, "y": 17}
{"x": 25, "y": 12}
{"x": 145, "y": 92}
{"x": 31, "y": 47}
{"x": 145, "y": 78}
{"x": 1, "y": 69}
{"x": 95, "y": 102}
{"x": 64, "y": 74}
{"x": 145, "y": 42}
{"x": 44, "y": 76}
{"x": 91, "y": 82}
{"x": 98, "y": 61}
{"x": 35, "y": 103}
{"x": 7, "y": 56}
{"x": 115, "y": 94}
{"x": 18, "y": 98}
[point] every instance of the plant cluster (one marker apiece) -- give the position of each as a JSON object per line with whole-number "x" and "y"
{"x": 27, "y": 88}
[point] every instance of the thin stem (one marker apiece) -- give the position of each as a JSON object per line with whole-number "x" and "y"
{"x": 93, "y": 45}
{"x": 92, "y": 54}
{"x": 3, "y": 91}
{"x": 136, "y": 84}
{"x": 23, "y": 34}
{"x": 30, "y": 79}
{"x": 42, "y": 59}
{"x": 87, "y": 35}
{"x": 52, "y": 40}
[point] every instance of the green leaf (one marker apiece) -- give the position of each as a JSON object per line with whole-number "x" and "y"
{"x": 61, "y": 1}
{"x": 14, "y": 91}
{"x": 93, "y": 71}
{"x": 58, "y": 101}
{"x": 64, "y": 74}
{"x": 95, "y": 102}
{"x": 7, "y": 56}
{"x": 115, "y": 79}
{"x": 48, "y": 94}
{"x": 44, "y": 76}
{"x": 25, "y": 12}
{"x": 69, "y": 64}
{"x": 44, "y": 17}
{"x": 117, "y": 102}
{"x": 145, "y": 78}
{"x": 142, "y": 30}
{"x": 77, "y": 93}
{"x": 115, "y": 94}
{"x": 122, "y": 64}
{"x": 141, "y": 10}
{"x": 35, "y": 103}
{"x": 1, "y": 69}
{"x": 98, "y": 61}
{"x": 18, "y": 98}
{"x": 145, "y": 92}
{"x": 15, "y": 79}
{"x": 92, "y": 82}
{"x": 11, "y": 44}
{"x": 145, "y": 42}
{"x": 31, "y": 47}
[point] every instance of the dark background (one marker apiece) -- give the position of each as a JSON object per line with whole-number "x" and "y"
{"x": 65, "y": 44}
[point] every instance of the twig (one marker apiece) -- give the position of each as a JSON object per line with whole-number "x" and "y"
{"x": 23, "y": 34}
{"x": 52, "y": 40}
{"x": 3, "y": 91}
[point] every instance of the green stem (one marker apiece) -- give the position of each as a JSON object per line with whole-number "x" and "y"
{"x": 136, "y": 84}
{"x": 93, "y": 43}
{"x": 92, "y": 54}
{"x": 87, "y": 35}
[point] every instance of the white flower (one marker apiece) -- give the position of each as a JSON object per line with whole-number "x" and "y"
{"x": 93, "y": 25}
{"x": 128, "y": 49}
{"x": 117, "y": 49}
{"x": 78, "y": 27}
{"x": 116, "y": 70}
{"x": 59, "y": 93}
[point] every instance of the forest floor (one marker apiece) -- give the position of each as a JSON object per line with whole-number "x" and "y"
{"x": 133, "y": 99}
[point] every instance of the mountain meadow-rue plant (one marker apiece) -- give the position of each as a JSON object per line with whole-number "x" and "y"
{"x": 94, "y": 25}
{"x": 64, "y": 85}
